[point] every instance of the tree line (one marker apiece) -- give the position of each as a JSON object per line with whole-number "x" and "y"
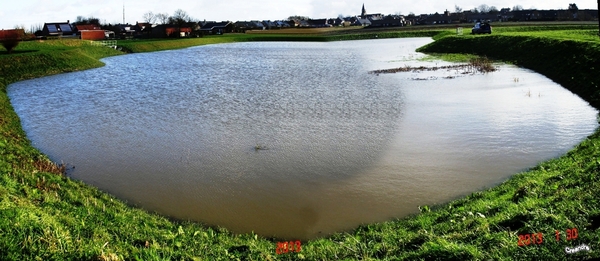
{"x": 179, "y": 17}
{"x": 486, "y": 9}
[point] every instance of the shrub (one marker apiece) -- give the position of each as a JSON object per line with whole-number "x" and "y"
{"x": 10, "y": 38}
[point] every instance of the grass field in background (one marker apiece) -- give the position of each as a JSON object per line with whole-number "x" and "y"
{"x": 46, "y": 216}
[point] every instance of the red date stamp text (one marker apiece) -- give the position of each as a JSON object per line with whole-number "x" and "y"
{"x": 288, "y": 247}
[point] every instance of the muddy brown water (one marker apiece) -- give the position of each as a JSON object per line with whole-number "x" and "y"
{"x": 177, "y": 132}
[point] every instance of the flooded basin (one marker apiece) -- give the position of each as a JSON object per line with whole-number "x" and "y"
{"x": 292, "y": 139}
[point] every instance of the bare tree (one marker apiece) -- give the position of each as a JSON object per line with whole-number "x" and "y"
{"x": 86, "y": 20}
{"x": 484, "y": 8}
{"x": 573, "y": 7}
{"x": 457, "y": 9}
{"x": 181, "y": 15}
{"x": 517, "y": 8}
{"x": 149, "y": 17}
{"x": 36, "y": 28}
{"x": 493, "y": 10}
{"x": 298, "y": 17}
{"x": 179, "y": 18}
{"x": 162, "y": 18}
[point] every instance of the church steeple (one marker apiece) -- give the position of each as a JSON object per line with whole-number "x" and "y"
{"x": 363, "y": 14}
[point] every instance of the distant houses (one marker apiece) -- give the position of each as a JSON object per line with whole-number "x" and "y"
{"x": 553, "y": 15}
{"x": 243, "y": 26}
{"x": 68, "y": 30}
{"x": 318, "y": 23}
{"x": 60, "y": 29}
{"x": 90, "y": 32}
{"x": 197, "y": 29}
{"x": 505, "y": 15}
{"x": 168, "y": 31}
{"x": 216, "y": 27}
{"x": 389, "y": 21}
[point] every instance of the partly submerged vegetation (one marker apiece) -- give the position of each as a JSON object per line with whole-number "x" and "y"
{"x": 475, "y": 65}
{"x": 45, "y": 216}
{"x": 568, "y": 57}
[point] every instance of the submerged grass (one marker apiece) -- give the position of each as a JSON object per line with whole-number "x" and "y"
{"x": 476, "y": 64}
{"x": 482, "y": 64}
{"x": 44, "y": 216}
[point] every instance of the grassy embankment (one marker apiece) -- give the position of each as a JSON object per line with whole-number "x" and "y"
{"x": 312, "y": 35}
{"x": 49, "y": 217}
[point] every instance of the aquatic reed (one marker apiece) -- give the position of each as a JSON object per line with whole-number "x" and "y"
{"x": 45, "y": 165}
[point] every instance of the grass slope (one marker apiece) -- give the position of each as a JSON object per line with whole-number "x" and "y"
{"x": 306, "y": 35}
{"x": 44, "y": 216}
{"x": 568, "y": 57}
{"x": 138, "y": 46}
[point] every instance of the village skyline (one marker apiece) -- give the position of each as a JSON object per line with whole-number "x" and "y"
{"x": 131, "y": 11}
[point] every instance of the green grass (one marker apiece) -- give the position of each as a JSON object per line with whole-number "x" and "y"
{"x": 46, "y": 216}
{"x": 450, "y": 57}
{"x": 567, "y": 57}
{"x": 582, "y": 35}
{"x": 138, "y": 46}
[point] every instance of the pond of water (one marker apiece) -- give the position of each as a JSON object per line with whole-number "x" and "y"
{"x": 296, "y": 140}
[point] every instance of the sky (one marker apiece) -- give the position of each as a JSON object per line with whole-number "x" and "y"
{"x": 32, "y": 13}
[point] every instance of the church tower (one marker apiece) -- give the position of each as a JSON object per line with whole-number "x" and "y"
{"x": 363, "y": 14}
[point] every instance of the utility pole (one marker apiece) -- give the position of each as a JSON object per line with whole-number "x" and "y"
{"x": 124, "y": 11}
